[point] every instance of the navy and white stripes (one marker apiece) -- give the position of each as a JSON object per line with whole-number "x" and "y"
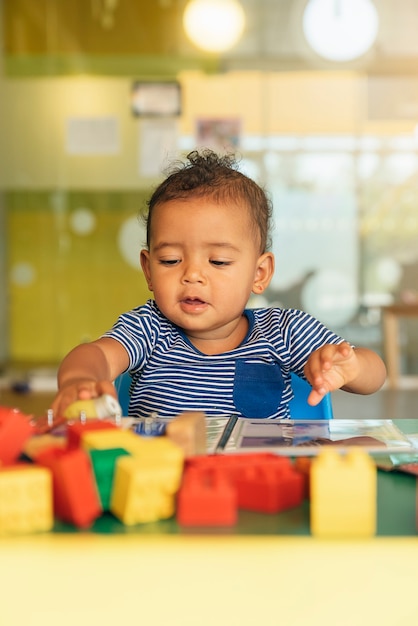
{"x": 171, "y": 376}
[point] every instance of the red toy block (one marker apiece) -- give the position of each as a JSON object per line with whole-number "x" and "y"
{"x": 76, "y": 498}
{"x": 206, "y": 498}
{"x": 76, "y": 430}
{"x": 15, "y": 430}
{"x": 231, "y": 465}
{"x": 270, "y": 486}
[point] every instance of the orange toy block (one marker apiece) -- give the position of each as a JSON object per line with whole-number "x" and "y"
{"x": 343, "y": 494}
{"x": 270, "y": 486}
{"x": 206, "y": 498}
{"x": 77, "y": 430}
{"x": 144, "y": 486}
{"x": 15, "y": 430}
{"x": 76, "y": 499}
{"x": 25, "y": 499}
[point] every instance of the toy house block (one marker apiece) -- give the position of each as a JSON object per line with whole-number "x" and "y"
{"x": 343, "y": 494}
{"x": 76, "y": 430}
{"x": 270, "y": 486}
{"x": 15, "y": 430}
{"x": 76, "y": 499}
{"x": 188, "y": 431}
{"x": 103, "y": 463}
{"x": 25, "y": 499}
{"x": 144, "y": 489}
{"x": 206, "y": 498}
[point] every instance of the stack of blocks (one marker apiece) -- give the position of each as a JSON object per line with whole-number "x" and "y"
{"x": 25, "y": 490}
{"x": 215, "y": 487}
{"x": 103, "y": 467}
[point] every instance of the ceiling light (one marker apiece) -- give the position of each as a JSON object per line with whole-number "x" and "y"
{"x": 340, "y": 30}
{"x": 214, "y": 25}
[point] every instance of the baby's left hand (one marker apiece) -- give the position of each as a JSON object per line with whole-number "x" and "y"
{"x": 330, "y": 367}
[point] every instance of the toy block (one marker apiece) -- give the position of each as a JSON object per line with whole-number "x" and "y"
{"x": 103, "y": 463}
{"x": 270, "y": 486}
{"x": 144, "y": 486}
{"x": 302, "y": 464}
{"x": 76, "y": 430}
{"x": 15, "y": 430}
{"x": 101, "y": 407}
{"x": 343, "y": 494}
{"x": 232, "y": 465}
{"x": 25, "y": 499}
{"x": 35, "y": 445}
{"x": 188, "y": 431}
{"x": 76, "y": 499}
{"x": 206, "y": 498}
{"x": 115, "y": 438}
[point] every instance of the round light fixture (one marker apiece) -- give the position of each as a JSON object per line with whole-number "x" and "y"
{"x": 214, "y": 25}
{"x": 340, "y": 30}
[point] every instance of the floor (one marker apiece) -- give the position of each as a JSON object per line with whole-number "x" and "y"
{"x": 385, "y": 404}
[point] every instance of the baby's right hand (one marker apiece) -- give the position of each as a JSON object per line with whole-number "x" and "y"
{"x": 82, "y": 389}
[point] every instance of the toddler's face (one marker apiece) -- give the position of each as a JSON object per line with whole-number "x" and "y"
{"x": 203, "y": 264}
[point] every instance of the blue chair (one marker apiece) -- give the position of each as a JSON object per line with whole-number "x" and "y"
{"x": 299, "y": 407}
{"x": 122, "y": 385}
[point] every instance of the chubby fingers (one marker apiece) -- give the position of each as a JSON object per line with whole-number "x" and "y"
{"x": 322, "y": 369}
{"x": 80, "y": 390}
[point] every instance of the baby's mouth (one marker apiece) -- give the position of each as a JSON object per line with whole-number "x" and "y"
{"x": 193, "y": 301}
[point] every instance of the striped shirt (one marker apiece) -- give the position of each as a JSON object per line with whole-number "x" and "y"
{"x": 170, "y": 376}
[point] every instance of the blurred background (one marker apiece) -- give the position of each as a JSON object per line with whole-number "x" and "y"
{"x": 319, "y": 98}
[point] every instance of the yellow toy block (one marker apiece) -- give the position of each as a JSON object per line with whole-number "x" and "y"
{"x": 25, "y": 499}
{"x": 144, "y": 487}
{"x": 113, "y": 438}
{"x": 343, "y": 491}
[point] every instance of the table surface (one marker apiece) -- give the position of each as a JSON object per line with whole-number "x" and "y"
{"x": 266, "y": 570}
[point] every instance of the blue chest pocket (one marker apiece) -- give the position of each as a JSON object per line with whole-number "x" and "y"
{"x": 258, "y": 388}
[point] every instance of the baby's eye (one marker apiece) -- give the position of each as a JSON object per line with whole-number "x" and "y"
{"x": 169, "y": 262}
{"x": 219, "y": 263}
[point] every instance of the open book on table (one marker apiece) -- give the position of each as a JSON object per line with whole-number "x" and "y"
{"x": 307, "y": 437}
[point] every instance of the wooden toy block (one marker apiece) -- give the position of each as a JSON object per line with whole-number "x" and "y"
{"x": 15, "y": 430}
{"x": 76, "y": 430}
{"x": 25, "y": 499}
{"x": 188, "y": 431}
{"x": 206, "y": 498}
{"x": 76, "y": 499}
{"x": 103, "y": 463}
{"x": 145, "y": 485}
{"x": 343, "y": 494}
{"x": 270, "y": 486}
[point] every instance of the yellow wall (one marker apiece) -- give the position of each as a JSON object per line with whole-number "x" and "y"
{"x": 80, "y": 283}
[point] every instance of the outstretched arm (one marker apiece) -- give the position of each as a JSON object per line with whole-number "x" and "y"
{"x": 358, "y": 370}
{"x": 88, "y": 371}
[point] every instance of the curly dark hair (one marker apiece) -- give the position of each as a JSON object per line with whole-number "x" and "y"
{"x": 209, "y": 175}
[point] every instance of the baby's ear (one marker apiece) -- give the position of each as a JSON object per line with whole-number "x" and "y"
{"x": 264, "y": 272}
{"x": 145, "y": 264}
